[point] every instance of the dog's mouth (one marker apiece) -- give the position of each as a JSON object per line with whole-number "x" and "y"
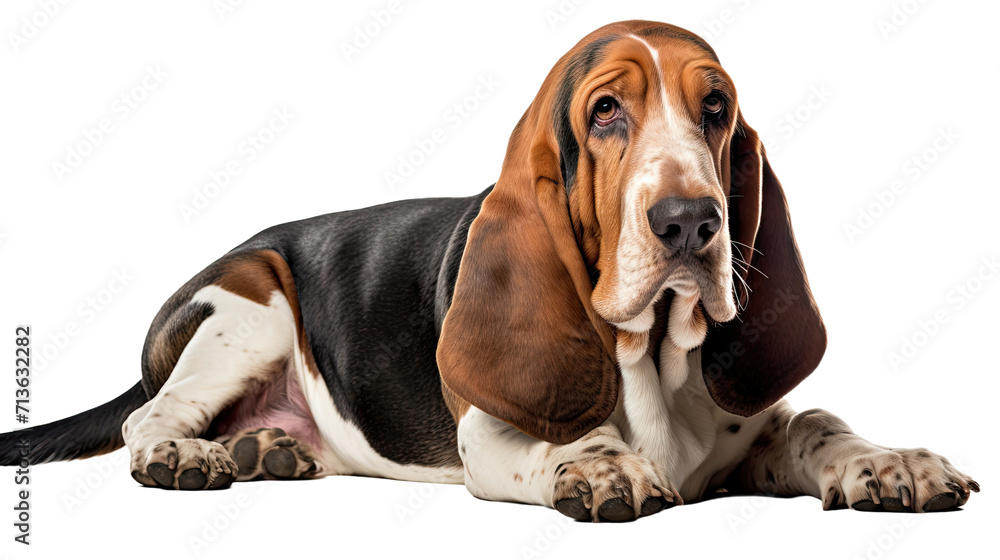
{"x": 716, "y": 290}
{"x": 708, "y": 279}
{"x": 712, "y": 288}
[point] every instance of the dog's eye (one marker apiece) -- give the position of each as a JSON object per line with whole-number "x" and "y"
{"x": 606, "y": 111}
{"x": 713, "y": 104}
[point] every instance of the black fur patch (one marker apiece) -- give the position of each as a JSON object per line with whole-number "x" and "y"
{"x": 374, "y": 286}
{"x": 577, "y": 67}
{"x": 96, "y": 431}
{"x": 168, "y": 337}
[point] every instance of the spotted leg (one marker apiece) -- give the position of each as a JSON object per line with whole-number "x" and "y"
{"x": 235, "y": 343}
{"x": 596, "y": 478}
{"x": 816, "y": 453}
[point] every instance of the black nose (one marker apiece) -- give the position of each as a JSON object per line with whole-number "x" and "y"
{"x": 685, "y": 224}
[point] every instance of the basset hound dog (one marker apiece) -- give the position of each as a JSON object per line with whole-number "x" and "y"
{"x": 608, "y": 330}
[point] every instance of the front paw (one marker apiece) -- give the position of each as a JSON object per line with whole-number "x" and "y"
{"x": 904, "y": 480}
{"x": 610, "y": 485}
{"x": 185, "y": 464}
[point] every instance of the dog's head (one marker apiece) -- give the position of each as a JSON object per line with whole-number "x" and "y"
{"x": 632, "y": 175}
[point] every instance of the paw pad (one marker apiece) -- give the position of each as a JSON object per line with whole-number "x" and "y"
{"x": 270, "y": 453}
{"x": 185, "y": 464}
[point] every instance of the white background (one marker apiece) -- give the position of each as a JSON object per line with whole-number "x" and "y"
{"x": 63, "y": 235}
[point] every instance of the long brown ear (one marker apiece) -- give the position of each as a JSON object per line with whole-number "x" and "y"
{"x": 778, "y": 338}
{"x": 521, "y": 340}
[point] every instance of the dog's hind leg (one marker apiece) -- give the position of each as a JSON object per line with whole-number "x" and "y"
{"x": 269, "y": 453}
{"x": 234, "y": 347}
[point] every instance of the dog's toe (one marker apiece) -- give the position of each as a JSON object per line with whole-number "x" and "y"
{"x": 270, "y": 453}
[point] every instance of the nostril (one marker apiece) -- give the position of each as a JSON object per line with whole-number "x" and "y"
{"x": 710, "y": 227}
{"x": 707, "y": 229}
{"x": 704, "y": 232}
{"x": 685, "y": 224}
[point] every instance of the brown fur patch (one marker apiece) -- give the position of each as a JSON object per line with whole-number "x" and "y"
{"x": 884, "y": 471}
{"x": 520, "y": 328}
{"x": 631, "y": 342}
{"x": 254, "y": 275}
{"x": 165, "y": 347}
{"x": 456, "y": 405}
{"x": 259, "y": 274}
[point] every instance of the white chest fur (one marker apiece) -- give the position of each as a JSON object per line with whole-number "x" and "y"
{"x": 667, "y": 415}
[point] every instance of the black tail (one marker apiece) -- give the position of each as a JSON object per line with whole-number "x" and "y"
{"x": 97, "y": 431}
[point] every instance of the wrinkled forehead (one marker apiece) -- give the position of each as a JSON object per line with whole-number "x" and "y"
{"x": 676, "y": 40}
{"x": 660, "y": 49}
{"x": 620, "y": 40}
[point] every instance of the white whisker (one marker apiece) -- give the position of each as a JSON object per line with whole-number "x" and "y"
{"x": 752, "y": 267}
{"x": 754, "y": 249}
{"x": 745, "y": 286}
{"x": 742, "y": 261}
